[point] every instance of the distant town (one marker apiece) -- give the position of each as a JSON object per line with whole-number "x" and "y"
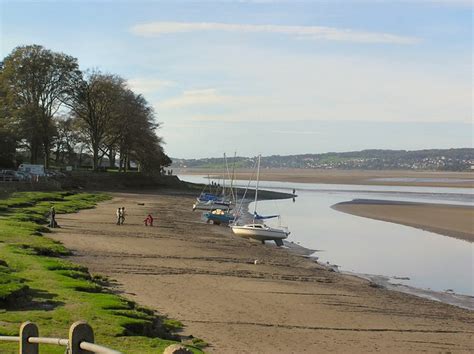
{"x": 434, "y": 160}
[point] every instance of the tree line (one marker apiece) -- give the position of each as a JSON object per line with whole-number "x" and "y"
{"x": 52, "y": 112}
{"x": 456, "y": 159}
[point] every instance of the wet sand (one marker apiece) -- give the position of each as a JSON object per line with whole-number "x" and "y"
{"x": 360, "y": 177}
{"x": 449, "y": 220}
{"x": 205, "y": 277}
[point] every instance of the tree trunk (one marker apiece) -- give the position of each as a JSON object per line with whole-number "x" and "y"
{"x": 80, "y": 156}
{"x": 127, "y": 166}
{"x": 46, "y": 154}
{"x": 34, "y": 152}
{"x": 58, "y": 153}
{"x": 95, "y": 157}
{"x": 70, "y": 157}
{"x": 111, "y": 156}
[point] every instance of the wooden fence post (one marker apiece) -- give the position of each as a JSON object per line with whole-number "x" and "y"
{"x": 79, "y": 332}
{"x": 27, "y": 330}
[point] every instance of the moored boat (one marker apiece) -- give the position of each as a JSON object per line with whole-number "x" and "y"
{"x": 212, "y": 205}
{"x": 219, "y": 216}
{"x": 260, "y": 231}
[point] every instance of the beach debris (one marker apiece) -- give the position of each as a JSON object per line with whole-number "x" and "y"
{"x": 255, "y": 261}
{"x": 177, "y": 349}
{"x": 140, "y": 203}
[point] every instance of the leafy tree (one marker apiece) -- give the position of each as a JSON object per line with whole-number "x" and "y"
{"x": 37, "y": 81}
{"x": 8, "y": 139}
{"x": 105, "y": 117}
{"x": 94, "y": 102}
{"x": 67, "y": 138}
{"x": 135, "y": 128}
{"x": 7, "y": 145}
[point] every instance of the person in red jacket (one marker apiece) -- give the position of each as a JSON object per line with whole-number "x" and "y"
{"x": 149, "y": 220}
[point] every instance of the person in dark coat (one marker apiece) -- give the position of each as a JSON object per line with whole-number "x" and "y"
{"x": 52, "y": 218}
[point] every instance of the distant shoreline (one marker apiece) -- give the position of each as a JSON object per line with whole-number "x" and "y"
{"x": 359, "y": 177}
{"x": 448, "y": 220}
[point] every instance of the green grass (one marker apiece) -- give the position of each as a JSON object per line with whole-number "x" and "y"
{"x": 11, "y": 286}
{"x": 37, "y": 285}
{"x": 173, "y": 324}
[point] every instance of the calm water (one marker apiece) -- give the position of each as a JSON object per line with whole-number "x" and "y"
{"x": 423, "y": 180}
{"x": 366, "y": 246}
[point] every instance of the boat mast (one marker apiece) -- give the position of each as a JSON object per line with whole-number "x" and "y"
{"x": 234, "y": 193}
{"x": 224, "y": 178}
{"x": 256, "y": 188}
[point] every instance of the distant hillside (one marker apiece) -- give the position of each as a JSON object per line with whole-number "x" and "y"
{"x": 434, "y": 159}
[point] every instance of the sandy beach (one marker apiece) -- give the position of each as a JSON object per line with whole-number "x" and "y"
{"x": 449, "y": 220}
{"x": 207, "y": 278}
{"x": 360, "y": 177}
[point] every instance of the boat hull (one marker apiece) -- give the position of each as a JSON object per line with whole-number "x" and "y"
{"x": 263, "y": 234}
{"x": 225, "y": 218}
{"x": 211, "y": 206}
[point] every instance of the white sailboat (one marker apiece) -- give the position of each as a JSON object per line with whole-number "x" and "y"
{"x": 257, "y": 231}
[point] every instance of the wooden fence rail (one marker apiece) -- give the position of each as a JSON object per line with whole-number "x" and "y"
{"x": 81, "y": 340}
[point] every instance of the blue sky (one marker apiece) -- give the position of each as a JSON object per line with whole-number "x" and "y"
{"x": 274, "y": 77}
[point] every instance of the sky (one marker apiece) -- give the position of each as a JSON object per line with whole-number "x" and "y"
{"x": 274, "y": 77}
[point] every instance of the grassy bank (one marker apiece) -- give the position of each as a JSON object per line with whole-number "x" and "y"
{"x": 37, "y": 284}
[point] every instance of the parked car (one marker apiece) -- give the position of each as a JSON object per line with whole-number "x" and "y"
{"x": 54, "y": 173}
{"x": 23, "y": 176}
{"x": 9, "y": 175}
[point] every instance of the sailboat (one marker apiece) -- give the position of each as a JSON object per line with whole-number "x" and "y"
{"x": 210, "y": 201}
{"x": 212, "y": 204}
{"x": 260, "y": 231}
{"x": 224, "y": 215}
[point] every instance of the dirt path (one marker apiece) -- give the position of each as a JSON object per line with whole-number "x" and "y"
{"x": 205, "y": 277}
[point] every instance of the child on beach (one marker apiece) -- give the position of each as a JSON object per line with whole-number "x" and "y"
{"x": 148, "y": 220}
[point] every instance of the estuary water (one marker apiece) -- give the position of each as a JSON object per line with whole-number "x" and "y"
{"x": 399, "y": 255}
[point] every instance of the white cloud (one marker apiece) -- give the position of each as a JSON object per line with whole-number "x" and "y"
{"x": 195, "y": 97}
{"x": 308, "y": 32}
{"x": 323, "y": 87}
{"x": 144, "y": 85}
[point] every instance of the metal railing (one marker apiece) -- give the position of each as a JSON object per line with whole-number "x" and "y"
{"x": 81, "y": 340}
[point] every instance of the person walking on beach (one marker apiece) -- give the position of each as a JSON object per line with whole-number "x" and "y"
{"x": 118, "y": 213}
{"x": 52, "y": 217}
{"x": 122, "y": 216}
